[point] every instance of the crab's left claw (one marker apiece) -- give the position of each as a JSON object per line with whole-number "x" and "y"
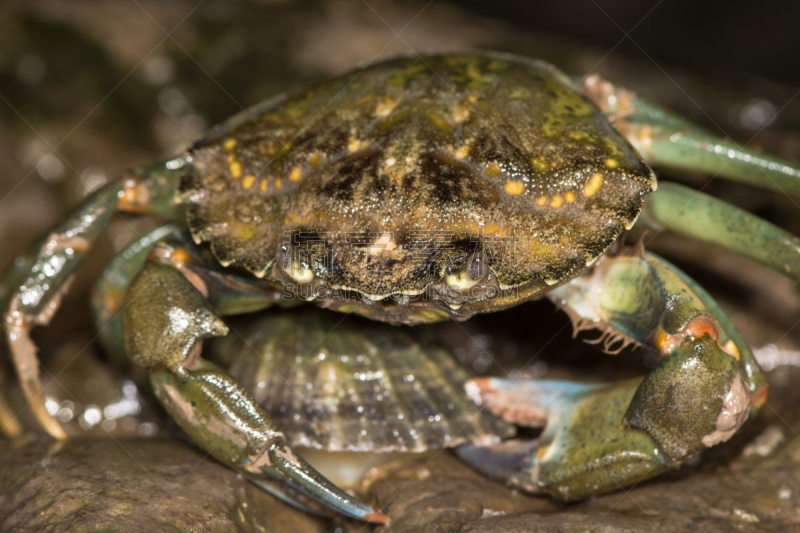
{"x": 163, "y": 324}
{"x": 604, "y": 436}
{"x": 584, "y": 448}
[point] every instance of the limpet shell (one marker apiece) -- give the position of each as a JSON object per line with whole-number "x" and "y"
{"x": 347, "y": 384}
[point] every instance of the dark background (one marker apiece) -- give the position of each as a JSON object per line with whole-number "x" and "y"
{"x": 733, "y": 38}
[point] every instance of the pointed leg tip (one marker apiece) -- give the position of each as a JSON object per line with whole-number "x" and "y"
{"x": 55, "y": 430}
{"x": 376, "y": 517}
{"x": 46, "y": 420}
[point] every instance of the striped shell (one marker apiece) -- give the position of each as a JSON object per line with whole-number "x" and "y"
{"x": 346, "y": 384}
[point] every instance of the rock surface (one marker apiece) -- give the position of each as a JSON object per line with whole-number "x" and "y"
{"x": 93, "y": 485}
{"x": 757, "y": 494}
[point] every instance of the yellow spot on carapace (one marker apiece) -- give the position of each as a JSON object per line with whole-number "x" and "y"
{"x": 537, "y": 248}
{"x": 593, "y": 185}
{"x": 439, "y": 121}
{"x": 295, "y": 174}
{"x": 578, "y": 135}
{"x": 542, "y": 200}
{"x": 519, "y": 92}
{"x": 386, "y": 106}
{"x": 315, "y": 159}
{"x": 231, "y": 158}
{"x": 230, "y": 144}
{"x": 569, "y": 196}
{"x": 477, "y": 79}
{"x": 556, "y": 201}
{"x": 612, "y": 163}
{"x": 493, "y": 170}
{"x": 462, "y": 152}
{"x": 355, "y": 145}
{"x": 278, "y": 183}
{"x": 514, "y": 187}
{"x": 236, "y": 169}
{"x": 460, "y": 113}
{"x": 248, "y": 180}
{"x": 539, "y": 163}
{"x": 263, "y": 184}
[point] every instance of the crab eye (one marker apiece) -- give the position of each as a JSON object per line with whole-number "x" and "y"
{"x": 477, "y": 266}
{"x": 284, "y": 255}
{"x": 470, "y": 274}
{"x": 288, "y": 259}
{"x": 299, "y": 273}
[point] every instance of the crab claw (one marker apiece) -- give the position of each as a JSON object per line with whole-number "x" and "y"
{"x": 164, "y": 323}
{"x": 583, "y": 450}
{"x": 281, "y": 463}
{"x": 223, "y": 418}
{"x": 543, "y": 404}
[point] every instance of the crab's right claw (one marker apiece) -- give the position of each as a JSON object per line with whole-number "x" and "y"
{"x": 225, "y": 419}
{"x": 164, "y": 322}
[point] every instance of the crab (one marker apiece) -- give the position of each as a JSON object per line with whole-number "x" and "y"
{"x": 420, "y": 189}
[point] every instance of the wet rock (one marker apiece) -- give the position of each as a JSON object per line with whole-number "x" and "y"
{"x": 90, "y": 485}
{"x": 443, "y": 495}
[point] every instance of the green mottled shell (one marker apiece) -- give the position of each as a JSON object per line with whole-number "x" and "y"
{"x": 354, "y": 386}
{"x": 385, "y": 179}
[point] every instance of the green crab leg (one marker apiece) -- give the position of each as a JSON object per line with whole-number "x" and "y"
{"x": 694, "y": 214}
{"x": 163, "y": 323}
{"x": 38, "y": 281}
{"x": 294, "y": 498}
{"x": 31, "y": 291}
{"x": 664, "y": 138}
{"x": 108, "y": 294}
{"x": 227, "y": 293}
{"x": 601, "y": 437}
{"x": 12, "y": 278}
